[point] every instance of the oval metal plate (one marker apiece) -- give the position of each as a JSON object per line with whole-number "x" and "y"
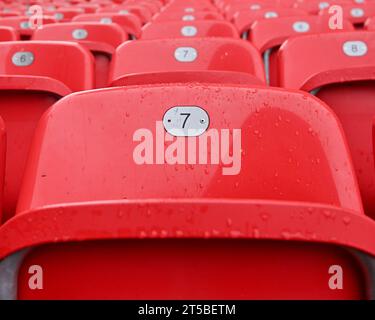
{"x": 25, "y": 25}
{"x": 185, "y": 54}
{"x": 357, "y": 12}
{"x": 106, "y": 20}
{"x": 59, "y": 16}
{"x": 79, "y": 34}
{"x": 355, "y": 48}
{"x": 188, "y": 18}
{"x": 189, "y": 31}
{"x": 301, "y": 26}
{"x": 186, "y": 121}
{"x": 271, "y": 14}
{"x": 323, "y": 5}
{"x": 23, "y": 59}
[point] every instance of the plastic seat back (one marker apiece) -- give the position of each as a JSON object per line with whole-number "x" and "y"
{"x": 236, "y": 7}
{"x": 355, "y": 13}
{"x": 152, "y": 6}
{"x": 267, "y": 35}
{"x": 101, "y": 39}
{"x": 8, "y": 34}
{"x": 128, "y": 201}
{"x": 182, "y": 29}
{"x": 339, "y": 68}
{"x": 143, "y": 13}
{"x": 196, "y": 15}
{"x": 23, "y": 26}
{"x": 244, "y": 19}
{"x": 88, "y": 7}
{"x": 34, "y": 75}
{"x": 220, "y": 60}
{"x": 189, "y": 7}
{"x": 12, "y": 13}
{"x": 314, "y": 6}
{"x": 130, "y": 23}
{"x": 66, "y": 14}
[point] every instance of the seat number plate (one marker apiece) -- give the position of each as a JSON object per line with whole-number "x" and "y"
{"x": 188, "y": 18}
{"x": 23, "y": 59}
{"x": 355, "y": 48}
{"x": 186, "y": 54}
{"x": 301, "y": 26}
{"x": 80, "y": 34}
{"x": 186, "y": 121}
{"x": 189, "y": 31}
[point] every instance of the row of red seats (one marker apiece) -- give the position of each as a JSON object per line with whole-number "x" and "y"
{"x": 244, "y": 13}
{"x": 87, "y": 210}
{"x": 241, "y": 13}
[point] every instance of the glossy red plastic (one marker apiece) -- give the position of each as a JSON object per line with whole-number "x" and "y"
{"x": 267, "y": 35}
{"x": 314, "y": 6}
{"x": 180, "y": 7}
{"x": 101, "y": 39}
{"x": 154, "y": 61}
{"x": 175, "y": 29}
{"x": 66, "y": 14}
{"x": 234, "y": 7}
{"x": 370, "y": 24}
{"x": 27, "y": 91}
{"x": 154, "y": 231}
{"x": 8, "y": 34}
{"x": 244, "y": 19}
{"x": 88, "y": 7}
{"x": 177, "y": 16}
{"x": 130, "y": 23}
{"x": 143, "y": 13}
{"x": 22, "y": 25}
{"x": 346, "y": 83}
{"x": 355, "y": 13}
{"x": 6, "y": 14}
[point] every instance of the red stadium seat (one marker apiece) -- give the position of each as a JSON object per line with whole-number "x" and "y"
{"x": 314, "y": 6}
{"x": 356, "y": 14}
{"x": 13, "y": 13}
{"x": 22, "y": 25}
{"x": 232, "y": 8}
{"x": 34, "y": 75}
{"x": 177, "y": 16}
{"x": 221, "y": 60}
{"x": 88, "y": 7}
{"x": 183, "y": 29}
{"x": 273, "y": 229}
{"x": 189, "y": 7}
{"x": 267, "y": 35}
{"x": 66, "y": 14}
{"x": 153, "y": 6}
{"x": 244, "y": 19}
{"x": 143, "y": 13}
{"x": 339, "y": 68}
{"x": 130, "y": 23}
{"x": 101, "y": 39}
{"x": 8, "y": 34}
{"x": 102, "y": 3}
